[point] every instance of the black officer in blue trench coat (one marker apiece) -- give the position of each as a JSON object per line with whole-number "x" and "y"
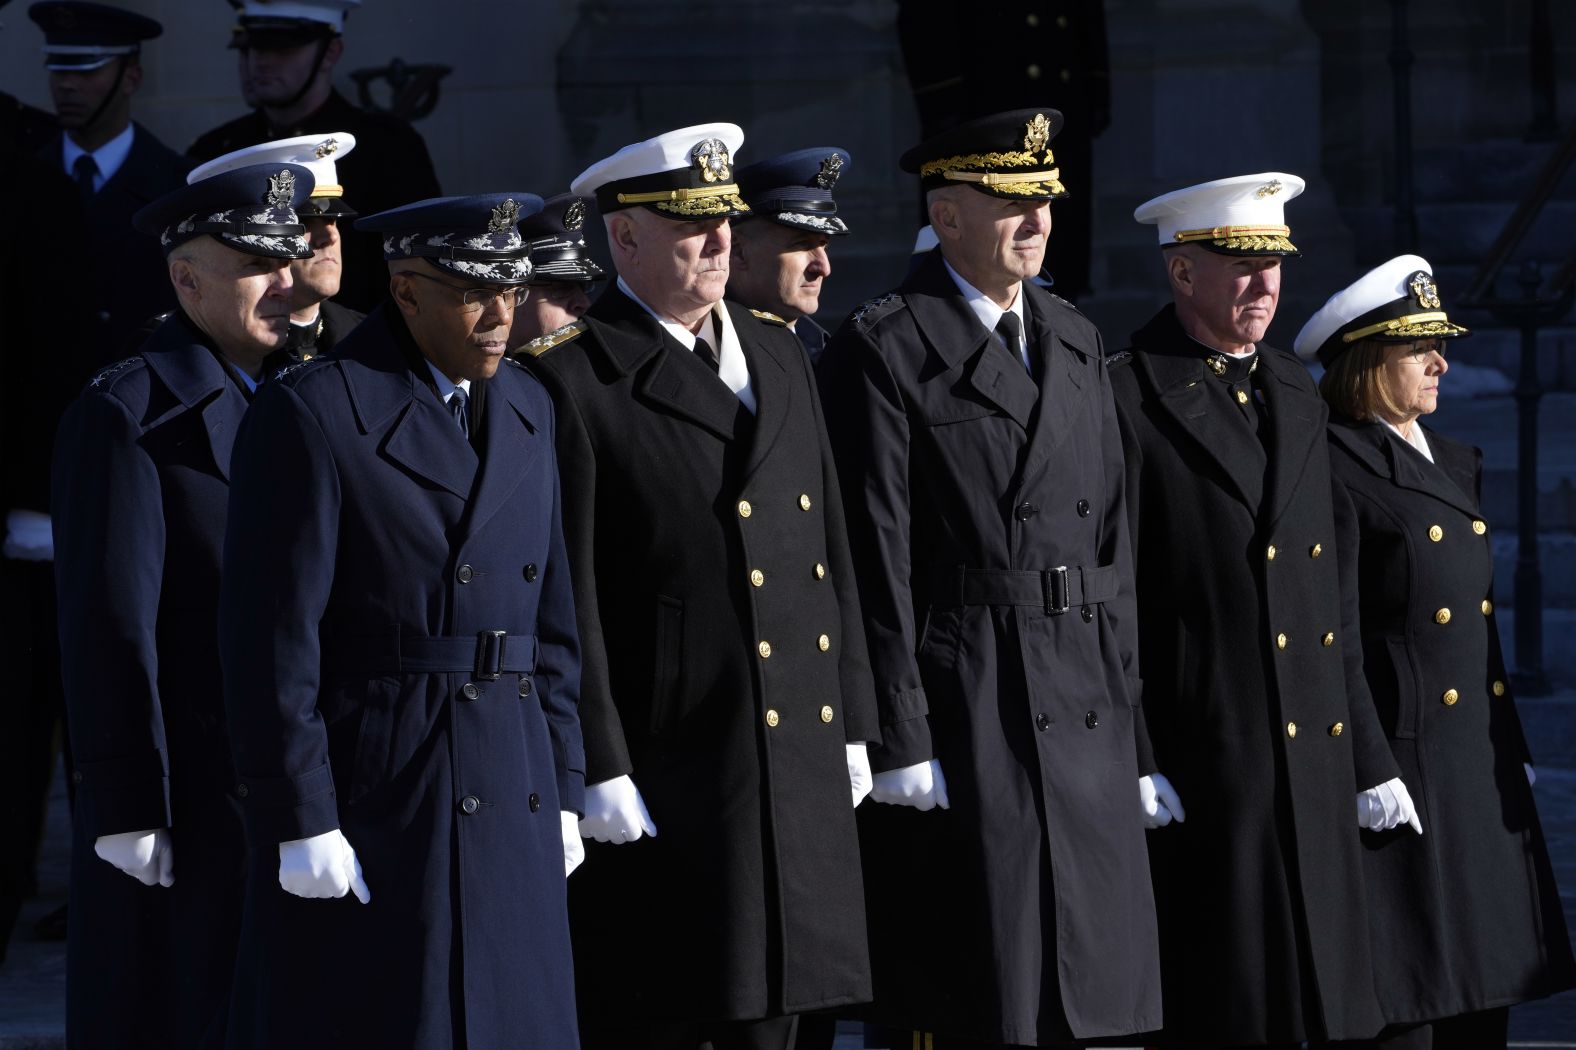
{"x": 141, "y": 482}
{"x": 402, "y": 669}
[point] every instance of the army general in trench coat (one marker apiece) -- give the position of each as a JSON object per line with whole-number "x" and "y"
{"x": 402, "y": 669}
{"x": 727, "y": 699}
{"x": 977, "y": 439}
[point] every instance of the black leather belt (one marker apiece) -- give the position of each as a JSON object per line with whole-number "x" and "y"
{"x": 1055, "y": 590}
{"x": 485, "y": 656}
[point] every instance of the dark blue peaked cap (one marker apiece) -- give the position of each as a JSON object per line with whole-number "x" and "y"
{"x": 476, "y": 237}
{"x": 251, "y": 209}
{"x": 795, "y": 189}
{"x": 84, "y": 36}
{"x": 556, "y": 237}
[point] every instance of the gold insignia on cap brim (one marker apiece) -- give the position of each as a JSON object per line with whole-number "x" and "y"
{"x": 1423, "y": 287}
{"x": 575, "y": 215}
{"x": 831, "y": 169}
{"x": 1037, "y": 133}
{"x": 1269, "y": 189}
{"x": 504, "y": 216}
{"x": 711, "y": 157}
{"x": 281, "y": 189}
{"x": 326, "y": 148}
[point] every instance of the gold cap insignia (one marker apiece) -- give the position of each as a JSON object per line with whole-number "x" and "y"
{"x": 575, "y": 214}
{"x": 504, "y": 216}
{"x": 1037, "y": 133}
{"x": 1269, "y": 189}
{"x": 831, "y": 168}
{"x": 1422, "y": 285}
{"x": 711, "y": 157}
{"x": 327, "y": 148}
{"x": 281, "y": 189}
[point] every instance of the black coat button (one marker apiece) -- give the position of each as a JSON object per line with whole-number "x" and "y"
{"x": 241, "y": 791}
{"x": 76, "y": 776}
{"x": 1087, "y": 613}
{"x": 1083, "y": 508}
{"x": 535, "y": 802}
{"x": 1091, "y": 719}
{"x": 530, "y": 573}
{"x": 1041, "y": 722}
{"x": 525, "y": 686}
{"x": 1025, "y": 511}
{"x": 464, "y": 574}
{"x": 470, "y": 804}
{"x": 469, "y": 691}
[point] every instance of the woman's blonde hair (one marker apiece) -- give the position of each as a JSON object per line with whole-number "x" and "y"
{"x": 1353, "y": 385}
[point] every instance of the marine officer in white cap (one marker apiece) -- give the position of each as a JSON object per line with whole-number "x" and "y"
{"x": 726, "y": 698}
{"x": 1252, "y": 685}
{"x": 317, "y": 322}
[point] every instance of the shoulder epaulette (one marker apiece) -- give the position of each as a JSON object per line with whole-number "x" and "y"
{"x": 1121, "y": 357}
{"x": 770, "y": 318}
{"x": 114, "y": 370}
{"x": 294, "y": 370}
{"x": 867, "y": 312}
{"x": 558, "y": 336}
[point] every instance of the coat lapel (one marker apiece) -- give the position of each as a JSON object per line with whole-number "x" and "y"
{"x": 1382, "y": 453}
{"x": 1180, "y": 379}
{"x": 179, "y": 356}
{"x": 1297, "y": 418}
{"x": 772, "y": 379}
{"x": 509, "y": 449}
{"x": 1063, "y": 367}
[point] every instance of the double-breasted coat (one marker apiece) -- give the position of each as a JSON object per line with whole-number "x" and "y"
{"x": 140, "y": 489}
{"x": 1246, "y": 682}
{"x": 1465, "y": 917}
{"x": 995, "y": 575}
{"x": 400, "y": 658}
{"x": 725, "y": 672}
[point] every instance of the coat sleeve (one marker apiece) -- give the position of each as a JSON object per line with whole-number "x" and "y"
{"x": 869, "y": 425}
{"x": 1496, "y": 650}
{"x": 279, "y": 553}
{"x": 108, "y": 512}
{"x": 558, "y": 666}
{"x": 1373, "y": 762}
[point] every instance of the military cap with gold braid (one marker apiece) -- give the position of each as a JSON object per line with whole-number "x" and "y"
{"x": 681, "y": 175}
{"x": 1397, "y": 302}
{"x": 1005, "y": 155}
{"x": 1242, "y": 215}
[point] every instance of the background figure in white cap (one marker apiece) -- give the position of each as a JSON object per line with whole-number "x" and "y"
{"x": 287, "y": 51}
{"x": 317, "y": 322}
{"x": 727, "y": 699}
{"x": 93, "y": 53}
{"x": 1259, "y": 718}
{"x": 1475, "y": 897}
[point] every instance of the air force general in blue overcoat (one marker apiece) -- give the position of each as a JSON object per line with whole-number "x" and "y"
{"x": 401, "y": 662}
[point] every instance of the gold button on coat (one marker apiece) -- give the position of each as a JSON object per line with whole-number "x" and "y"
{"x": 1061, "y": 21}
{"x": 1033, "y": 71}
{"x": 1270, "y": 554}
{"x": 804, "y": 501}
{"x": 1499, "y": 688}
{"x": 1316, "y": 550}
{"x": 1450, "y": 697}
{"x": 1488, "y": 606}
{"x": 1242, "y": 397}
{"x": 1280, "y": 641}
{"x": 1067, "y": 76}
{"x": 1291, "y": 730}
{"x": 1033, "y": 19}
{"x": 771, "y": 717}
{"x": 1328, "y": 639}
{"x": 1479, "y": 527}
{"x": 1442, "y": 616}
{"x": 744, "y": 508}
{"x": 1436, "y": 533}
{"x": 765, "y": 648}
{"x": 820, "y": 571}
{"x": 826, "y": 713}
{"x": 757, "y": 577}
{"x": 824, "y": 642}
{"x": 1337, "y": 729}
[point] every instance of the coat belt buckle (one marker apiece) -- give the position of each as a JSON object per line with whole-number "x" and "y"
{"x": 489, "y": 655}
{"x": 1053, "y": 584}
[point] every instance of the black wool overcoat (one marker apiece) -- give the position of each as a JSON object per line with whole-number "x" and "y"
{"x": 725, "y": 672}
{"x": 1023, "y": 914}
{"x": 1263, "y": 931}
{"x": 1465, "y": 917}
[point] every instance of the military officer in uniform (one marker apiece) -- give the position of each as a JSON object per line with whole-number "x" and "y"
{"x": 317, "y": 322}
{"x": 288, "y": 52}
{"x": 976, "y": 437}
{"x": 141, "y": 486}
{"x": 1260, "y": 725}
{"x": 93, "y": 53}
{"x": 401, "y": 668}
{"x": 780, "y": 260}
{"x": 727, "y": 698}
{"x": 562, "y": 275}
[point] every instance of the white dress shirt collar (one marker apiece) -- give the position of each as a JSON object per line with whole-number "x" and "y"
{"x": 989, "y": 313}
{"x": 718, "y": 329}
{"x": 446, "y": 387}
{"x": 109, "y": 157}
{"x": 1417, "y": 440}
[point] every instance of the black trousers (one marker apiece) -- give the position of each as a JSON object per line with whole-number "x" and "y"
{"x": 773, "y": 1033}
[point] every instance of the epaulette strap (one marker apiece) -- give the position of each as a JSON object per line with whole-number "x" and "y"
{"x": 563, "y": 334}
{"x": 1121, "y": 357}
{"x": 770, "y": 318}
{"x": 114, "y": 370}
{"x": 296, "y": 367}
{"x": 863, "y": 314}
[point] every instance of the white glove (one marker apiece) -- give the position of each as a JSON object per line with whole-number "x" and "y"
{"x": 321, "y": 866}
{"x": 1160, "y": 801}
{"x": 147, "y": 856}
{"x": 1387, "y": 806}
{"x": 859, "y": 771}
{"x": 615, "y": 812}
{"x": 920, "y": 785}
{"x": 574, "y": 849}
{"x": 28, "y": 538}
{"x": 1532, "y": 774}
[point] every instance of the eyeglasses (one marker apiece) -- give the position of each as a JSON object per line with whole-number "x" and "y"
{"x": 474, "y": 299}
{"x": 1419, "y": 353}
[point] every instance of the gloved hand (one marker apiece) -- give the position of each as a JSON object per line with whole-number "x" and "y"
{"x": 147, "y": 856}
{"x": 28, "y": 538}
{"x": 574, "y": 848}
{"x": 920, "y": 785}
{"x": 321, "y": 866}
{"x": 1160, "y": 801}
{"x": 1532, "y": 775}
{"x": 615, "y": 812}
{"x": 1387, "y": 806}
{"x": 859, "y": 771}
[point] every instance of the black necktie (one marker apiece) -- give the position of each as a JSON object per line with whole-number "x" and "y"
{"x": 85, "y": 169}
{"x": 704, "y": 351}
{"x": 457, "y": 405}
{"x": 1011, "y": 331}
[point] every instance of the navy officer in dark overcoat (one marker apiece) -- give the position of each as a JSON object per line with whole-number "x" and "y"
{"x": 563, "y": 274}
{"x": 402, "y": 668}
{"x": 140, "y": 490}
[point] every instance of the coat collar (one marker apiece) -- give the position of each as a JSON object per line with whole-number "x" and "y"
{"x": 770, "y": 352}
{"x": 1382, "y": 454}
{"x": 186, "y": 363}
{"x": 1297, "y": 424}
